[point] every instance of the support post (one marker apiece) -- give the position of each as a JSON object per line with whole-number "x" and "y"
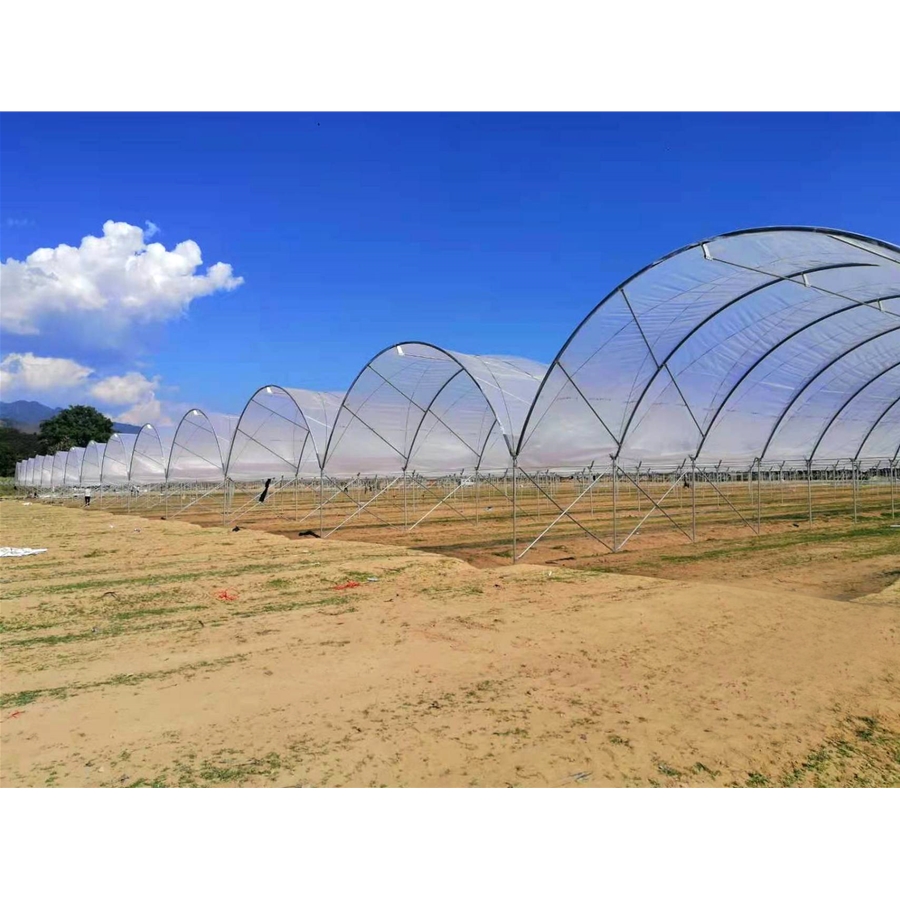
{"x": 405, "y": 503}
{"x": 809, "y": 489}
{"x": 693, "y": 501}
{"x": 476, "y": 495}
{"x": 321, "y": 500}
{"x": 615, "y": 504}
{"x": 515, "y": 509}
{"x": 855, "y": 486}
{"x": 758, "y": 495}
{"x": 893, "y": 472}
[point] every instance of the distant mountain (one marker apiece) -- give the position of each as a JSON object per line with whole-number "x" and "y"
{"x": 27, "y": 415}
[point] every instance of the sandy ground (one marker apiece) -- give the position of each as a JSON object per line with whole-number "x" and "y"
{"x": 124, "y": 665}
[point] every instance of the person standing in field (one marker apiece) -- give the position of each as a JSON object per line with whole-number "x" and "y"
{"x": 87, "y": 496}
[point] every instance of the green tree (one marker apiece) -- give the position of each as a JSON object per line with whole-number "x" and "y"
{"x": 74, "y": 427}
{"x": 15, "y": 445}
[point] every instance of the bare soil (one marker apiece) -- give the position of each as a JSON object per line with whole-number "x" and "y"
{"x": 737, "y": 660}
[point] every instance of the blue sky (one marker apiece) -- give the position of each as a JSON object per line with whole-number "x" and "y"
{"x": 481, "y": 233}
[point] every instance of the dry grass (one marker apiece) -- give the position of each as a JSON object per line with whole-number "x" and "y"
{"x": 121, "y": 665}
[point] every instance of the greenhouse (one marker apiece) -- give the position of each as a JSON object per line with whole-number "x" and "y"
{"x": 92, "y": 464}
{"x": 150, "y": 456}
{"x": 764, "y": 357}
{"x": 115, "y": 468}
{"x": 74, "y": 460}
{"x": 200, "y": 447}
{"x": 58, "y": 474}
{"x": 47, "y": 472}
{"x": 282, "y": 433}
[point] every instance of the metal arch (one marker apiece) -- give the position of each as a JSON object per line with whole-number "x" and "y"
{"x": 155, "y": 431}
{"x": 835, "y": 233}
{"x": 887, "y": 409}
{"x": 775, "y": 347}
{"x": 95, "y": 445}
{"x": 190, "y": 412}
{"x": 134, "y": 446}
{"x": 440, "y": 390}
{"x": 798, "y": 394}
{"x": 240, "y": 419}
{"x": 394, "y": 346}
{"x": 118, "y": 434}
{"x": 664, "y": 364}
{"x": 847, "y": 402}
{"x": 53, "y": 467}
{"x": 66, "y": 471}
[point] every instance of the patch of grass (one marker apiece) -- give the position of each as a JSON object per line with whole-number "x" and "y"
{"x": 97, "y": 634}
{"x": 354, "y": 575}
{"x": 666, "y": 769}
{"x": 868, "y": 730}
{"x": 865, "y": 753}
{"x": 23, "y": 698}
{"x": 148, "y": 580}
{"x": 619, "y": 741}
{"x": 757, "y": 779}
{"x": 157, "y": 782}
{"x": 699, "y": 769}
{"x": 279, "y": 583}
{"x": 226, "y": 771}
{"x": 158, "y": 611}
{"x": 290, "y": 606}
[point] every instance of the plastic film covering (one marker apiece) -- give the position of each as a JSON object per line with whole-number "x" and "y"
{"x": 282, "y": 432}
{"x": 419, "y": 408}
{"x": 150, "y": 455}
{"x": 74, "y": 460}
{"x": 741, "y": 347}
{"x": 29, "y": 472}
{"x": 91, "y": 464}
{"x": 58, "y": 472}
{"x": 47, "y": 471}
{"x": 115, "y": 468}
{"x": 200, "y": 447}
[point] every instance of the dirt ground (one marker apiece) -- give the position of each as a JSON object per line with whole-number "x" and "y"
{"x": 736, "y": 661}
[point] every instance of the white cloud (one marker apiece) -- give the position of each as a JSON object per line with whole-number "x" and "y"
{"x": 120, "y": 390}
{"x": 135, "y": 391}
{"x": 97, "y": 291}
{"x": 151, "y": 230}
{"x": 56, "y": 380}
{"x": 146, "y": 411}
{"x": 30, "y": 374}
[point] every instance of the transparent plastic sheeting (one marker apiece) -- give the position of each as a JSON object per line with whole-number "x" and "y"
{"x": 415, "y": 407}
{"x": 749, "y": 345}
{"x": 282, "y": 433}
{"x": 115, "y": 468}
{"x": 150, "y": 455}
{"x": 773, "y": 344}
{"x": 92, "y": 463}
{"x": 58, "y": 472}
{"x": 74, "y": 459}
{"x": 200, "y": 447}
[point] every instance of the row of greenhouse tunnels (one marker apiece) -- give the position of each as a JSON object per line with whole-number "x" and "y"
{"x": 746, "y": 380}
